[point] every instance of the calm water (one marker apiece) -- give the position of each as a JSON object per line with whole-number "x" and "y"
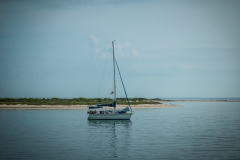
{"x": 199, "y": 130}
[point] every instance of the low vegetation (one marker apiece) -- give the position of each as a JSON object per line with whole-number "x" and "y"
{"x": 75, "y": 101}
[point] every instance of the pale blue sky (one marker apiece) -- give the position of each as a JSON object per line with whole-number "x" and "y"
{"x": 164, "y": 48}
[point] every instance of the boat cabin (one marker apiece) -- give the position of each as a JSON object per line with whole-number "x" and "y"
{"x": 101, "y": 110}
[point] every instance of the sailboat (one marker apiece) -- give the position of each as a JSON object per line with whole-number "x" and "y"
{"x": 99, "y": 113}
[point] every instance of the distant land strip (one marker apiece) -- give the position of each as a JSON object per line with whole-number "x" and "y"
{"x": 76, "y": 101}
{"x": 95, "y": 101}
{"x": 83, "y": 103}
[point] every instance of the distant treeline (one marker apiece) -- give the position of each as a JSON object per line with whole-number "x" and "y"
{"x": 75, "y": 101}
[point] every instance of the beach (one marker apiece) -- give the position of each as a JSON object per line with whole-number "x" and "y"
{"x": 23, "y": 106}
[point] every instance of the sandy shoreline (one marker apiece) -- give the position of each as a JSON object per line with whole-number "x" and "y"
{"x": 21, "y": 106}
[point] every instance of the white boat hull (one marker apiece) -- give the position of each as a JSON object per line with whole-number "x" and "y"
{"x": 125, "y": 116}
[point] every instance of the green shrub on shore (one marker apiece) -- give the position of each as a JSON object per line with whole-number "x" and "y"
{"x": 73, "y": 101}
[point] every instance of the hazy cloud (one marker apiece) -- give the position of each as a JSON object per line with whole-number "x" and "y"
{"x": 122, "y": 49}
{"x": 134, "y": 52}
{"x": 94, "y": 40}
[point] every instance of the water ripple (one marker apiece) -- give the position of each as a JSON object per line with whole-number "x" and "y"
{"x": 195, "y": 131}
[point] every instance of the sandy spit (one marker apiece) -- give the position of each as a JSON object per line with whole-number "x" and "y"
{"x": 22, "y": 106}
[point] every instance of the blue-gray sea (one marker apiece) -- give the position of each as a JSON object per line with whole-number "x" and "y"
{"x": 197, "y": 130}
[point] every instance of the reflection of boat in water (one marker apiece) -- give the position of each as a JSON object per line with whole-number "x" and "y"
{"x": 101, "y": 125}
{"x": 99, "y": 113}
{"x": 97, "y": 123}
{"x": 115, "y": 137}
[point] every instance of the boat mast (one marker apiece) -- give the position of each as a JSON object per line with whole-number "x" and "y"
{"x": 114, "y": 77}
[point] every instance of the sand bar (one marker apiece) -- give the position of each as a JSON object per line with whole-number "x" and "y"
{"x": 21, "y": 106}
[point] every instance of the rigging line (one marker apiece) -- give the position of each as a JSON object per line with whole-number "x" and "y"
{"x": 100, "y": 83}
{"x": 123, "y": 84}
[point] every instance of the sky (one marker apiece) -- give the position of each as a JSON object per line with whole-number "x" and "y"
{"x": 164, "y": 48}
